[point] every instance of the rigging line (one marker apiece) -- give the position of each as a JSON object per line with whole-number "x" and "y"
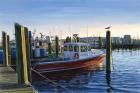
{"x": 52, "y": 81}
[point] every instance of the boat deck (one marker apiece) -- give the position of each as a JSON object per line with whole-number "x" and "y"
{"x": 9, "y": 82}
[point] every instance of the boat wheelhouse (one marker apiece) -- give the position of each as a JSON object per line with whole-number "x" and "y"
{"x": 77, "y": 50}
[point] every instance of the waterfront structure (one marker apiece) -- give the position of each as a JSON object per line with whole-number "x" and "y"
{"x": 93, "y": 41}
{"x": 116, "y": 40}
{"x": 127, "y": 40}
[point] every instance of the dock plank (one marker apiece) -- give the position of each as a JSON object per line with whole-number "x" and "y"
{"x": 9, "y": 82}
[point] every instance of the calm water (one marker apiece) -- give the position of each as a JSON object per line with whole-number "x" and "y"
{"x": 125, "y": 78}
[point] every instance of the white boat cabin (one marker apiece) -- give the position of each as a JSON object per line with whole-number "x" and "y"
{"x": 77, "y": 50}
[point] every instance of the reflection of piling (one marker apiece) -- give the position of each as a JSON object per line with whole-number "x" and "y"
{"x": 5, "y": 49}
{"x": 57, "y": 45}
{"x": 22, "y": 55}
{"x": 108, "y": 57}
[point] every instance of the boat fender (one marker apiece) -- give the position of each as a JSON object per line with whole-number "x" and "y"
{"x": 76, "y": 56}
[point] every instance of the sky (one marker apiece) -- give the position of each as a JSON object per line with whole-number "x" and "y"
{"x": 83, "y": 17}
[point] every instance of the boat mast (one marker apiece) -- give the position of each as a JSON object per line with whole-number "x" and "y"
{"x": 87, "y": 34}
{"x": 70, "y": 32}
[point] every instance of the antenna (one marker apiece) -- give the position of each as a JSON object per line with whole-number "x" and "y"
{"x": 87, "y": 33}
{"x": 34, "y": 33}
{"x": 70, "y": 30}
{"x": 137, "y": 36}
{"x": 60, "y": 34}
{"x": 87, "y": 30}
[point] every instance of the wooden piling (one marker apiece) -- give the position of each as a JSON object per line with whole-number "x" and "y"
{"x": 49, "y": 48}
{"x": 18, "y": 53}
{"x": 21, "y": 61}
{"x": 5, "y": 49}
{"x": 100, "y": 42}
{"x": 108, "y": 52}
{"x": 108, "y": 57}
{"x": 24, "y": 56}
{"x": 30, "y": 43}
{"x": 9, "y": 50}
{"x": 28, "y": 52}
{"x": 57, "y": 45}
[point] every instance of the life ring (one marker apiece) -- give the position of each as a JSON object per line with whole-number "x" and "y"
{"x": 76, "y": 56}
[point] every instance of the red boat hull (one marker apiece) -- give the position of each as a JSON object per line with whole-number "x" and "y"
{"x": 85, "y": 64}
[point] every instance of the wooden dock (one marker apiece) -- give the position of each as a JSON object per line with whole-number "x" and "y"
{"x": 9, "y": 82}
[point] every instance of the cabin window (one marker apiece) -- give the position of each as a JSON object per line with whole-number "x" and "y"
{"x": 81, "y": 48}
{"x": 76, "y": 48}
{"x": 84, "y": 48}
{"x": 65, "y": 48}
{"x": 89, "y": 48}
{"x": 70, "y": 48}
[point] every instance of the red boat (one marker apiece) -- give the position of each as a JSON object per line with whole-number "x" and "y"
{"x": 77, "y": 56}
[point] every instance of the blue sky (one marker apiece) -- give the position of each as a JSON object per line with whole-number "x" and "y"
{"x": 45, "y": 15}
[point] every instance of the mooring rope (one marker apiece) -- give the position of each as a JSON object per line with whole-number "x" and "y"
{"x": 52, "y": 81}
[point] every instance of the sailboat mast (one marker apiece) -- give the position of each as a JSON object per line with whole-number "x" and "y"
{"x": 87, "y": 33}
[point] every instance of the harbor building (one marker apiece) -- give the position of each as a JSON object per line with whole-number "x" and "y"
{"x": 94, "y": 41}
{"x": 127, "y": 40}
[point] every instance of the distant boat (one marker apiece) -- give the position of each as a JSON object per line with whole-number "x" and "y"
{"x": 77, "y": 56}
